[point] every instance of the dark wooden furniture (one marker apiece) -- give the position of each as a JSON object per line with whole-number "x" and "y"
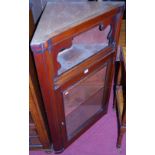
{"x": 120, "y": 94}
{"x": 38, "y": 134}
{"x": 74, "y": 48}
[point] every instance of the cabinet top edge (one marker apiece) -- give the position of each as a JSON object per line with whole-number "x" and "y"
{"x": 61, "y": 16}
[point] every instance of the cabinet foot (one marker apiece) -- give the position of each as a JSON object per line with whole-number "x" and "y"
{"x": 49, "y": 151}
{"x": 58, "y": 151}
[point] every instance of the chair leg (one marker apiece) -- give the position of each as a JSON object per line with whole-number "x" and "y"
{"x": 117, "y": 81}
{"x": 119, "y": 140}
{"x": 114, "y": 101}
{"x": 120, "y": 136}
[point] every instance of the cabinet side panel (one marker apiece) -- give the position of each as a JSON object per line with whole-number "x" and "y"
{"x": 45, "y": 75}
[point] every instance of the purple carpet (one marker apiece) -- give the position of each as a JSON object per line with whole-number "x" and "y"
{"x": 100, "y": 139}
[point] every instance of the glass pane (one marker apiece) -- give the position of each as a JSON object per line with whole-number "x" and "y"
{"x": 83, "y": 100}
{"x": 83, "y": 46}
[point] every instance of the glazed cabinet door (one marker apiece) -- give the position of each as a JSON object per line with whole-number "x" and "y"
{"x": 85, "y": 100}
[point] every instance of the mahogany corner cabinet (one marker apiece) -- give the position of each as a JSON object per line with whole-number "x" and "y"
{"x": 74, "y": 47}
